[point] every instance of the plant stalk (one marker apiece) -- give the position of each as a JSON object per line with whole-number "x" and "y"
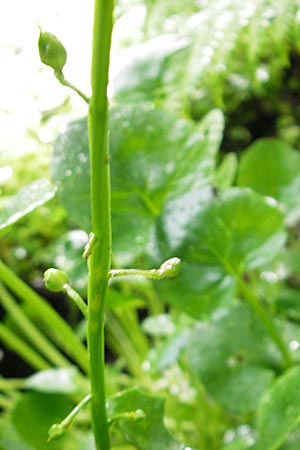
{"x": 100, "y": 259}
{"x": 64, "y": 82}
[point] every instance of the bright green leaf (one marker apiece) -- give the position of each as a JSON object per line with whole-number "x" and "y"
{"x": 279, "y": 411}
{"x": 231, "y": 352}
{"x": 161, "y": 171}
{"x": 9, "y": 438}
{"x": 25, "y": 201}
{"x": 272, "y": 167}
{"x": 143, "y": 76}
{"x": 35, "y": 413}
{"x": 226, "y": 171}
{"x": 236, "y": 232}
{"x": 149, "y": 432}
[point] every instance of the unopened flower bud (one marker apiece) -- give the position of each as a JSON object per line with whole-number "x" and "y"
{"x": 52, "y": 52}
{"x": 171, "y": 267}
{"x": 56, "y": 432}
{"x": 56, "y": 280}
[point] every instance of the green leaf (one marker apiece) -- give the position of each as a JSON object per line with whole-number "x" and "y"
{"x": 161, "y": 171}
{"x": 272, "y": 167}
{"x": 25, "y": 201}
{"x": 237, "y": 231}
{"x": 35, "y": 413}
{"x": 70, "y": 169}
{"x": 143, "y": 76}
{"x": 279, "y": 411}
{"x": 240, "y": 438}
{"x": 226, "y": 171}
{"x": 66, "y": 254}
{"x": 149, "y": 432}
{"x": 231, "y": 352}
{"x": 9, "y": 438}
{"x": 59, "y": 381}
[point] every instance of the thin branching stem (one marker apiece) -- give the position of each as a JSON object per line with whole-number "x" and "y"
{"x": 100, "y": 258}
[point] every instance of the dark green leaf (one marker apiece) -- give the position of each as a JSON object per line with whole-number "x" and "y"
{"x": 25, "y": 201}
{"x": 272, "y": 167}
{"x": 226, "y": 172}
{"x": 9, "y": 438}
{"x": 148, "y": 433}
{"x": 35, "y": 413}
{"x": 231, "y": 352}
{"x": 143, "y": 76}
{"x": 161, "y": 171}
{"x": 236, "y": 232}
{"x": 279, "y": 411}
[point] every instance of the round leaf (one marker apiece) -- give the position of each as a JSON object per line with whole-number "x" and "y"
{"x": 272, "y": 167}
{"x": 231, "y": 353}
{"x": 236, "y": 232}
{"x": 161, "y": 167}
{"x": 35, "y": 413}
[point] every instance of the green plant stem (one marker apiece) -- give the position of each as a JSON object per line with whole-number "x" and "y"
{"x": 168, "y": 269}
{"x": 152, "y": 274}
{"x": 100, "y": 259}
{"x": 61, "y": 332}
{"x": 77, "y": 299}
{"x": 265, "y": 318}
{"x": 64, "y": 82}
{"x": 48, "y": 350}
{"x": 14, "y": 343}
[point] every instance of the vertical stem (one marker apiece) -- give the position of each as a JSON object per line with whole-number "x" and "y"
{"x": 100, "y": 258}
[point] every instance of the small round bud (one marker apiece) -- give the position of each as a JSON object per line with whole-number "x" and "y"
{"x": 56, "y": 431}
{"x": 56, "y": 280}
{"x": 52, "y": 52}
{"x": 171, "y": 268}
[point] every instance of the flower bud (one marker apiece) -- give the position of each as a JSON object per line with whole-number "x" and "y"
{"x": 171, "y": 268}
{"x": 52, "y": 52}
{"x": 56, "y": 431}
{"x": 56, "y": 280}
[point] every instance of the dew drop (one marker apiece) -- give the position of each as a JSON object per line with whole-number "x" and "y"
{"x": 294, "y": 345}
{"x": 231, "y": 362}
{"x": 82, "y": 157}
{"x": 228, "y": 436}
{"x": 146, "y": 366}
